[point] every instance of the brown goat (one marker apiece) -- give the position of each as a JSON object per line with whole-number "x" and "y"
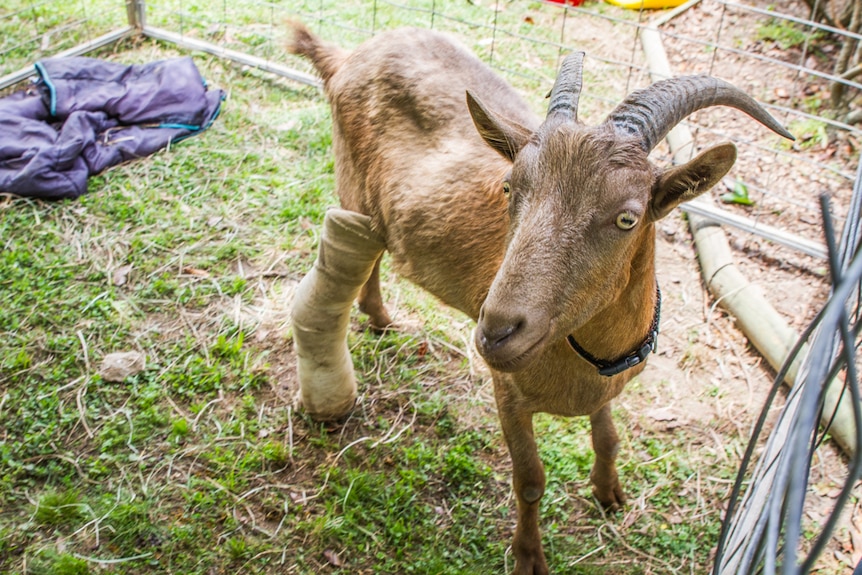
{"x": 541, "y": 231}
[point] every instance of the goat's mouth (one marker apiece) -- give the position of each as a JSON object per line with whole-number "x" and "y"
{"x": 509, "y": 356}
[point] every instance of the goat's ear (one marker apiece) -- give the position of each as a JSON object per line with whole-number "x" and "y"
{"x": 503, "y": 135}
{"x": 687, "y": 181}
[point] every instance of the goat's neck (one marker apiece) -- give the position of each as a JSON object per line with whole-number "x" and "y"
{"x": 622, "y": 325}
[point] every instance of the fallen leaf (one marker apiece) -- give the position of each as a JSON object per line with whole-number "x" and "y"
{"x": 196, "y": 272}
{"x": 834, "y": 493}
{"x": 856, "y": 539}
{"x": 287, "y": 126}
{"x": 422, "y": 349}
{"x": 116, "y": 367}
{"x": 828, "y": 153}
{"x": 332, "y": 557}
{"x": 842, "y": 558}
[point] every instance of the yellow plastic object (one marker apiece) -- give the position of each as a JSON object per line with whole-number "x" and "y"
{"x": 646, "y": 4}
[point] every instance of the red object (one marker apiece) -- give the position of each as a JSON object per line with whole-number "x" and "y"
{"x": 569, "y": 2}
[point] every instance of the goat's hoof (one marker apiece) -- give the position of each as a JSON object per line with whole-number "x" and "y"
{"x": 333, "y": 413}
{"x": 611, "y": 499}
{"x": 382, "y": 327}
{"x": 533, "y": 566}
{"x": 379, "y": 320}
{"x": 529, "y": 556}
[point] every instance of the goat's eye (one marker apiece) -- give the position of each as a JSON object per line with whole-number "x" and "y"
{"x": 507, "y": 189}
{"x": 626, "y": 221}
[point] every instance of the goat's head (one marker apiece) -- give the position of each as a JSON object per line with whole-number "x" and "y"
{"x": 583, "y": 201}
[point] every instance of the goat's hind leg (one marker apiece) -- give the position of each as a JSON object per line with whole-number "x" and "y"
{"x": 371, "y": 302}
{"x": 606, "y": 482}
{"x": 346, "y": 257}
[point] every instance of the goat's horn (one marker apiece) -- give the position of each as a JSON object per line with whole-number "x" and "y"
{"x": 567, "y": 89}
{"x": 653, "y": 112}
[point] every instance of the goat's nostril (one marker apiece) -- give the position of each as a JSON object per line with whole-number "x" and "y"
{"x": 503, "y": 334}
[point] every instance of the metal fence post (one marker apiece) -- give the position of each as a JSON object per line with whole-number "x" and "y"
{"x": 136, "y": 10}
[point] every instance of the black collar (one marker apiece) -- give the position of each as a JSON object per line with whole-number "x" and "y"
{"x": 648, "y": 346}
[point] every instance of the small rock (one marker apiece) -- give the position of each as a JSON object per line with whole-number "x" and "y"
{"x": 121, "y": 275}
{"x": 116, "y": 367}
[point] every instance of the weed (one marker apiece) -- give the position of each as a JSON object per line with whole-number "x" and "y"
{"x": 53, "y": 563}
{"x": 811, "y": 133}
{"x": 738, "y": 195}
{"x": 58, "y": 509}
{"x": 785, "y": 33}
{"x": 237, "y": 548}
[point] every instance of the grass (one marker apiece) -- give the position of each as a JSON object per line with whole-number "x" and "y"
{"x": 199, "y": 464}
{"x": 33, "y": 30}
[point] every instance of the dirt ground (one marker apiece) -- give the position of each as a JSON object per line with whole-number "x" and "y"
{"x": 706, "y": 377}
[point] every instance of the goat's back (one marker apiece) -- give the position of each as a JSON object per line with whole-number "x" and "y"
{"x": 422, "y": 73}
{"x": 408, "y": 155}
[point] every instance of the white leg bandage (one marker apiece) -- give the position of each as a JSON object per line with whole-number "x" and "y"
{"x": 321, "y": 312}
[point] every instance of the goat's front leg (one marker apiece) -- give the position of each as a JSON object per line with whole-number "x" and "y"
{"x": 346, "y": 256}
{"x": 606, "y": 482}
{"x": 528, "y": 482}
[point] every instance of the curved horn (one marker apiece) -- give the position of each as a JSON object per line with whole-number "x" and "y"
{"x": 567, "y": 88}
{"x": 654, "y": 111}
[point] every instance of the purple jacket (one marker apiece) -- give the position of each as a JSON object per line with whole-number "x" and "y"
{"x": 84, "y": 115}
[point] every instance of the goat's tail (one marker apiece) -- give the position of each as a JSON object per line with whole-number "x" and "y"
{"x": 327, "y": 58}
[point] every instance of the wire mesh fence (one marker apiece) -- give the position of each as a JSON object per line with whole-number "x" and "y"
{"x": 782, "y": 58}
{"x": 778, "y": 54}
{"x": 35, "y": 30}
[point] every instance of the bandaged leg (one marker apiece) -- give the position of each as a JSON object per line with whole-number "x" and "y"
{"x": 321, "y": 312}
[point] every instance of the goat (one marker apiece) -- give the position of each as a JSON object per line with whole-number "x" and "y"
{"x": 543, "y": 232}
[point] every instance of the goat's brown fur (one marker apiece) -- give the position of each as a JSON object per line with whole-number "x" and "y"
{"x": 546, "y": 262}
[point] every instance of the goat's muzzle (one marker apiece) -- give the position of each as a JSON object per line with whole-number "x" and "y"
{"x": 508, "y": 342}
